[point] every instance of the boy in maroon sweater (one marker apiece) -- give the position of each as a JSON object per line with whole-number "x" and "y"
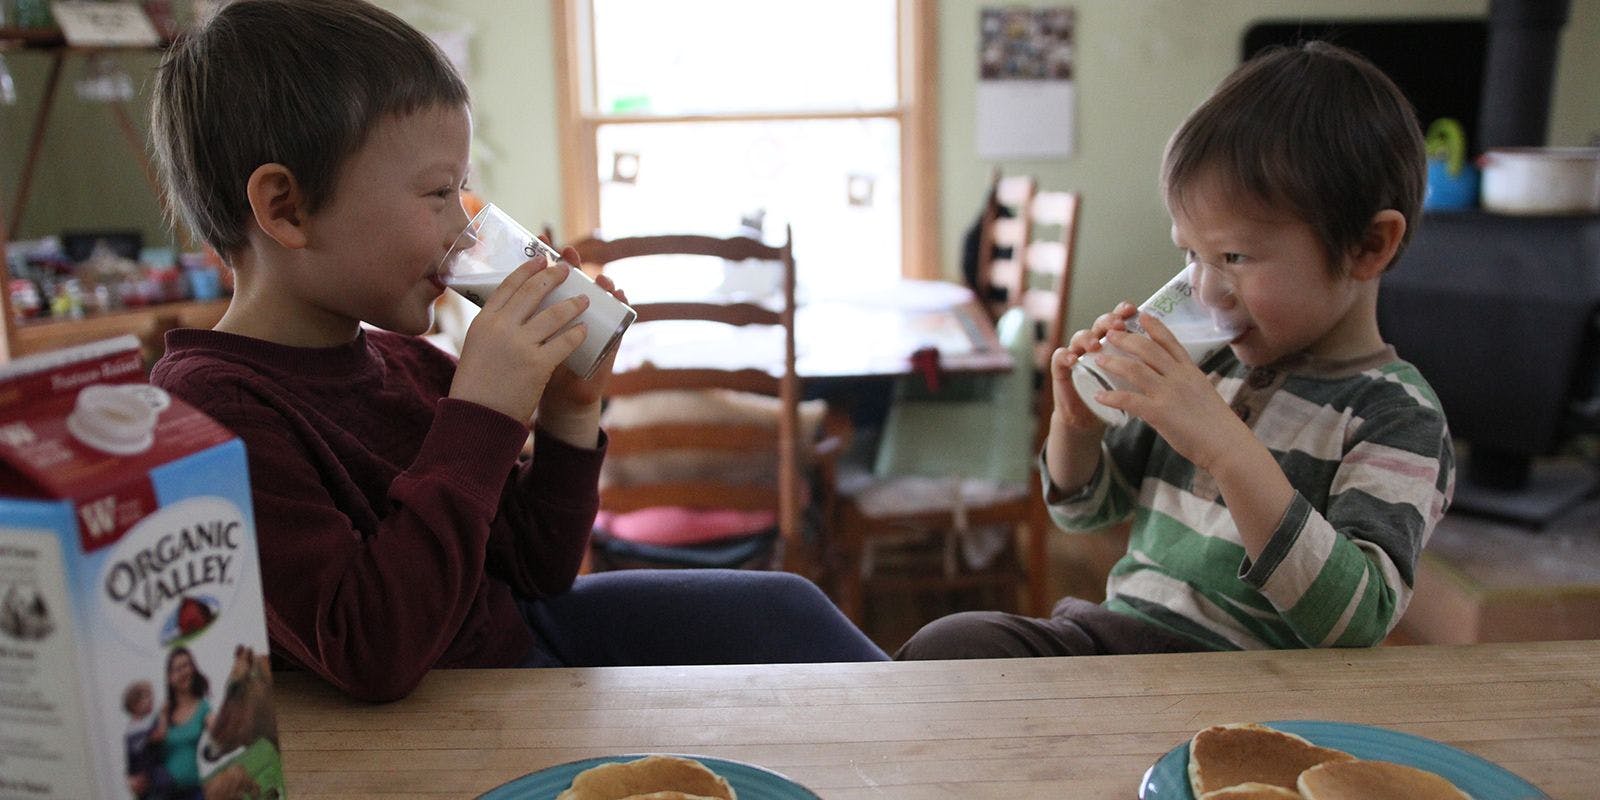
{"x": 321, "y": 147}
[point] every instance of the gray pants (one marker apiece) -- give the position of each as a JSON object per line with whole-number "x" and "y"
{"x": 1075, "y": 628}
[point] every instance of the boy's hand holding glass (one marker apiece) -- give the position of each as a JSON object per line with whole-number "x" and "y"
{"x": 1196, "y": 307}
{"x": 493, "y": 245}
{"x": 518, "y": 340}
{"x": 1070, "y": 407}
{"x": 538, "y": 313}
{"x": 568, "y": 391}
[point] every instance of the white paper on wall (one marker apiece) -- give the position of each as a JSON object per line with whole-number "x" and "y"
{"x": 1025, "y": 119}
{"x": 1026, "y": 99}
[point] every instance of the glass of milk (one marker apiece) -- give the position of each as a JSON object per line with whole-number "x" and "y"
{"x": 1194, "y": 318}
{"x": 493, "y": 245}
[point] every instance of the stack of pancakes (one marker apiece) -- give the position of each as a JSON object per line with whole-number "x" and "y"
{"x": 649, "y": 778}
{"x": 1247, "y": 761}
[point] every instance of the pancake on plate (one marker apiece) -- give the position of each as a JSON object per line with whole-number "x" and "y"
{"x": 1251, "y": 791}
{"x": 1375, "y": 780}
{"x": 1225, "y": 755}
{"x": 649, "y": 778}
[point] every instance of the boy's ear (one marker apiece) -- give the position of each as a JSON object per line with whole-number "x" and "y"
{"x": 1378, "y": 245}
{"x": 277, "y": 204}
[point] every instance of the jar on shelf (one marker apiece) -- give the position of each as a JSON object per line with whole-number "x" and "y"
{"x": 67, "y": 302}
{"x": 26, "y": 303}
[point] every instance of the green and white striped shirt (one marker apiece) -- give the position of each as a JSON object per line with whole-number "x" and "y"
{"x": 1366, "y": 447}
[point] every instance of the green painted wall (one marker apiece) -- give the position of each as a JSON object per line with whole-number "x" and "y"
{"x": 88, "y": 176}
{"x": 1142, "y": 65}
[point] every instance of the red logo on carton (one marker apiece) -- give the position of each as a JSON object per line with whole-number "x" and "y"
{"x": 103, "y": 520}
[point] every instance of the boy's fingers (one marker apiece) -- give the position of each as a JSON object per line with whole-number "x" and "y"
{"x": 525, "y": 300}
{"x": 1062, "y": 361}
{"x": 1162, "y": 335}
{"x": 507, "y": 289}
{"x": 564, "y": 343}
{"x": 545, "y": 324}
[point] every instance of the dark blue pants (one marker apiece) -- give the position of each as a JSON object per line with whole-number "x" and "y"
{"x": 643, "y": 617}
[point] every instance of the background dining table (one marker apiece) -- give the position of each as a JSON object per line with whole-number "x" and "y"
{"x": 1037, "y": 728}
{"x": 843, "y": 333}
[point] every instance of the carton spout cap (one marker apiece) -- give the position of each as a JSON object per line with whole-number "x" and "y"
{"x": 120, "y": 420}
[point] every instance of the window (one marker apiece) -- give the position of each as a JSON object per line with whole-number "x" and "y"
{"x": 695, "y": 115}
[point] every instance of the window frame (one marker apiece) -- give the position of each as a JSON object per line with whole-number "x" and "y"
{"x": 579, "y": 121}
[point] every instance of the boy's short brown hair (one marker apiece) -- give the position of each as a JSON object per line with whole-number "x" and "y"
{"x": 293, "y": 82}
{"x": 1315, "y": 130}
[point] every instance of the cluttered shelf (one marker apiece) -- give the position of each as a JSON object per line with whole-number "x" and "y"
{"x": 80, "y": 286}
{"x": 149, "y": 323}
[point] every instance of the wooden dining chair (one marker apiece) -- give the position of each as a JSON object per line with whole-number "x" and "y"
{"x": 1004, "y": 229}
{"x": 706, "y": 466}
{"x": 960, "y": 461}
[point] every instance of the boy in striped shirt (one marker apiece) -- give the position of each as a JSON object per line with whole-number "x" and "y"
{"x": 1281, "y": 491}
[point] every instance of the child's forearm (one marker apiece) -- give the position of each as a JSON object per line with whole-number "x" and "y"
{"x": 1255, "y": 489}
{"x": 1071, "y": 455}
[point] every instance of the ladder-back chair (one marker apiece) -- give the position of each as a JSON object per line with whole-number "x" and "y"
{"x": 704, "y": 466}
{"x": 954, "y": 464}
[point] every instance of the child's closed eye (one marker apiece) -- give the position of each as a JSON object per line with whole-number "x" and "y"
{"x": 446, "y": 192}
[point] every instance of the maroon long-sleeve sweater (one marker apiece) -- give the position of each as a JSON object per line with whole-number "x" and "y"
{"x": 394, "y": 523}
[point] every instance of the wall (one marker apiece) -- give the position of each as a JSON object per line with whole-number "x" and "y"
{"x": 1142, "y": 65}
{"x": 513, "y": 81}
{"x": 87, "y": 176}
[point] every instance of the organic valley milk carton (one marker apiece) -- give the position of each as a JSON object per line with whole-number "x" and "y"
{"x": 127, "y": 554}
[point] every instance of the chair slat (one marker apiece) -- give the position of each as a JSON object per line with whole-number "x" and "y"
{"x": 1014, "y": 190}
{"x": 603, "y": 251}
{"x": 689, "y": 494}
{"x": 697, "y": 436}
{"x": 1005, "y": 272}
{"x": 725, "y": 313}
{"x": 1010, "y": 232}
{"x": 1053, "y": 206}
{"x": 648, "y": 378}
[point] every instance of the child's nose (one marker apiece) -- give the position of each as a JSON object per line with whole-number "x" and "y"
{"x": 459, "y": 233}
{"x": 1216, "y": 290}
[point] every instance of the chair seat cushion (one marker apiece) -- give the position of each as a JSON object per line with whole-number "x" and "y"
{"x": 677, "y": 526}
{"x": 913, "y": 494}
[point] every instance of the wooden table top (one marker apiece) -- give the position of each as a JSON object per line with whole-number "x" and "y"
{"x": 1038, "y": 728}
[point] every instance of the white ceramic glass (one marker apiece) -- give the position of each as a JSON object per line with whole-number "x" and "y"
{"x": 1197, "y": 323}
{"x": 493, "y": 245}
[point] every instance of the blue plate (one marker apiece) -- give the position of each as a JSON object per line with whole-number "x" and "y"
{"x": 1169, "y": 778}
{"x": 750, "y": 781}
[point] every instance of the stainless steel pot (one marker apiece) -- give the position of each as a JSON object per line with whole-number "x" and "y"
{"x": 1541, "y": 180}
